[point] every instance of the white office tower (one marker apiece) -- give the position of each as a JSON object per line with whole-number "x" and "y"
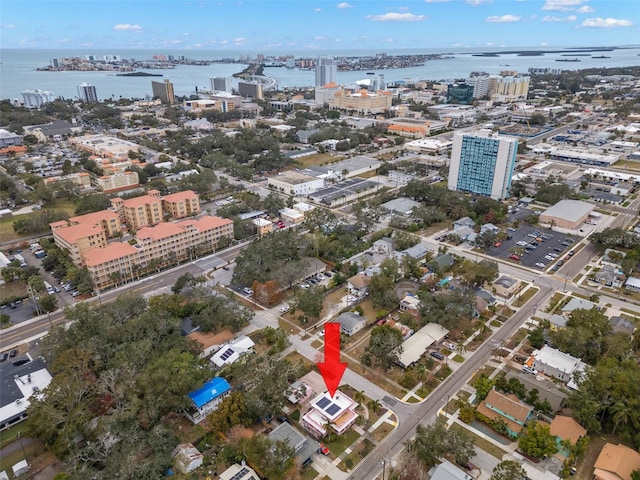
{"x": 481, "y": 85}
{"x": 87, "y": 93}
{"x": 326, "y": 69}
{"x": 482, "y": 163}
{"x": 220, "y": 84}
{"x": 37, "y": 98}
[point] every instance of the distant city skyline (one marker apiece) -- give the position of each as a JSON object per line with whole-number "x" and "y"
{"x": 309, "y": 25}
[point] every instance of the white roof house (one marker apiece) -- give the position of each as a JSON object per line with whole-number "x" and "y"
{"x": 231, "y": 351}
{"x": 338, "y": 410}
{"x": 554, "y": 363}
{"x": 415, "y": 346}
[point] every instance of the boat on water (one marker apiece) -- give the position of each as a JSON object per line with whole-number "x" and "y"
{"x": 371, "y": 73}
{"x": 568, "y": 60}
{"x": 601, "y": 56}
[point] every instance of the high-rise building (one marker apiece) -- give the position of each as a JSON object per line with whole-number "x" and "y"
{"x": 36, "y": 98}
{"x": 460, "y": 93}
{"x": 326, "y": 69}
{"x": 250, "y": 90}
{"x": 509, "y": 89}
{"x": 87, "y": 93}
{"x": 481, "y": 85}
{"x": 164, "y": 91}
{"x": 220, "y": 84}
{"x": 482, "y": 163}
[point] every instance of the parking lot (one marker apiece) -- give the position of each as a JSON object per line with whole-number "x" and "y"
{"x": 533, "y": 246}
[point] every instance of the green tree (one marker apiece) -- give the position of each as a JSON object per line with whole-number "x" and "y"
{"x": 432, "y": 442}
{"x": 536, "y": 441}
{"x": 483, "y": 386}
{"x": 309, "y": 302}
{"x": 508, "y": 470}
{"x": 385, "y": 345}
{"x": 232, "y": 411}
{"x": 274, "y": 460}
{"x": 49, "y": 303}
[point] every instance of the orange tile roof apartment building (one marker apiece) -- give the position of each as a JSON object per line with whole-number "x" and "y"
{"x": 161, "y": 245}
{"x": 157, "y": 243}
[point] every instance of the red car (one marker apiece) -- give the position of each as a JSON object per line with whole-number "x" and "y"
{"x": 323, "y": 449}
{"x": 514, "y": 257}
{"x": 497, "y": 244}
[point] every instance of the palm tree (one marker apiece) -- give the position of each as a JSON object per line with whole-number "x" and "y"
{"x": 327, "y": 428}
{"x": 620, "y": 415}
{"x": 460, "y": 348}
{"x": 421, "y": 373}
{"x": 374, "y": 405}
{"x": 359, "y": 396}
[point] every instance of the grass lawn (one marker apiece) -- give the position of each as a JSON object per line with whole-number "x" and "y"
{"x": 486, "y": 371}
{"x": 295, "y": 357}
{"x": 381, "y": 432}
{"x": 6, "y": 224}
{"x": 458, "y": 358}
{"x": 317, "y": 344}
{"x": 340, "y": 443}
{"x": 16, "y": 288}
{"x": 517, "y": 338}
{"x": 318, "y": 159}
{"x": 362, "y": 450}
{"x": 308, "y": 473}
{"x": 481, "y": 443}
{"x": 525, "y": 297}
{"x": 9, "y": 435}
{"x": 31, "y": 450}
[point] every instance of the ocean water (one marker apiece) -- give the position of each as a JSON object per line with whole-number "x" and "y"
{"x": 18, "y": 69}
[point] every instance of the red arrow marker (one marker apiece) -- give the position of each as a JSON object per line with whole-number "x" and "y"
{"x": 332, "y": 369}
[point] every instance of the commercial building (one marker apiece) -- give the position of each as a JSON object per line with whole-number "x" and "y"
{"x": 429, "y": 146}
{"x": 118, "y": 181}
{"x": 181, "y": 204}
{"x": 36, "y": 98}
{"x": 326, "y": 70}
{"x": 207, "y": 398}
{"x": 105, "y": 146}
{"x": 460, "y": 93}
{"x": 418, "y": 343}
{"x": 325, "y": 93}
{"x": 295, "y": 183}
{"x": 81, "y": 179}
{"x": 346, "y": 191}
{"x": 568, "y": 214}
{"x": 164, "y": 91}
{"x": 87, "y": 93}
{"x": 482, "y": 163}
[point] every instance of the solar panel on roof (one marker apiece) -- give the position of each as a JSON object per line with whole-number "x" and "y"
{"x": 323, "y": 402}
{"x": 226, "y": 354}
{"x": 240, "y": 474}
{"x": 332, "y": 409}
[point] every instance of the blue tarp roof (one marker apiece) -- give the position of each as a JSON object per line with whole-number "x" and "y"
{"x": 210, "y": 390}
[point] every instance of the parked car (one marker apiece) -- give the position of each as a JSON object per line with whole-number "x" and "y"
{"x": 13, "y": 353}
{"x": 284, "y": 309}
{"x": 540, "y": 265}
{"x": 3, "y": 356}
{"x": 437, "y": 355}
{"x": 514, "y": 257}
{"x": 247, "y": 290}
{"x": 529, "y": 369}
{"x": 323, "y": 449}
{"x": 75, "y": 293}
{"x": 225, "y": 267}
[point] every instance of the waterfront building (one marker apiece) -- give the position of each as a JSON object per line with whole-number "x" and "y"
{"x": 361, "y": 102}
{"x": 326, "y": 70}
{"x": 509, "y": 88}
{"x": 220, "y": 84}
{"x": 250, "y": 90}
{"x": 480, "y": 84}
{"x": 87, "y": 93}
{"x": 482, "y": 163}
{"x": 164, "y": 91}
{"x": 36, "y": 98}
{"x": 325, "y": 93}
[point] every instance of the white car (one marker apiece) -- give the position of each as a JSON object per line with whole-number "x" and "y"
{"x": 304, "y": 286}
{"x": 284, "y": 309}
{"x": 247, "y": 290}
{"x": 540, "y": 265}
{"x": 529, "y": 369}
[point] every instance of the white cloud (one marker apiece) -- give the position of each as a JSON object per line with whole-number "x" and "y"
{"x": 239, "y": 40}
{"x": 475, "y": 3}
{"x": 562, "y": 5}
{"x": 586, "y": 9}
{"x": 570, "y": 18}
{"x": 544, "y": 44}
{"x": 606, "y": 22}
{"x": 8, "y": 26}
{"x": 126, "y": 27}
{"x": 396, "y": 17}
{"x": 436, "y": 1}
{"x": 344, "y": 5}
{"x": 503, "y": 19}
{"x": 403, "y": 9}
{"x": 317, "y": 10}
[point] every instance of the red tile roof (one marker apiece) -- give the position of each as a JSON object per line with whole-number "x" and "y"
{"x": 95, "y": 217}
{"x": 76, "y": 232}
{"x": 113, "y": 251}
{"x": 180, "y": 196}
{"x": 140, "y": 201}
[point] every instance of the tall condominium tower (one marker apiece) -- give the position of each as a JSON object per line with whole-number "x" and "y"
{"x": 164, "y": 91}
{"x": 36, "y": 98}
{"x": 87, "y": 93}
{"x": 482, "y": 163}
{"x": 326, "y": 69}
{"x": 220, "y": 84}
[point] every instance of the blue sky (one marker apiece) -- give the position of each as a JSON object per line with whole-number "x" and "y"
{"x": 281, "y": 25}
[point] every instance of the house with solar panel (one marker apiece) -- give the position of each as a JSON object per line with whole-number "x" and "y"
{"x": 232, "y": 351}
{"x": 207, "y": 399}
{"x": 339, "y": 412}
